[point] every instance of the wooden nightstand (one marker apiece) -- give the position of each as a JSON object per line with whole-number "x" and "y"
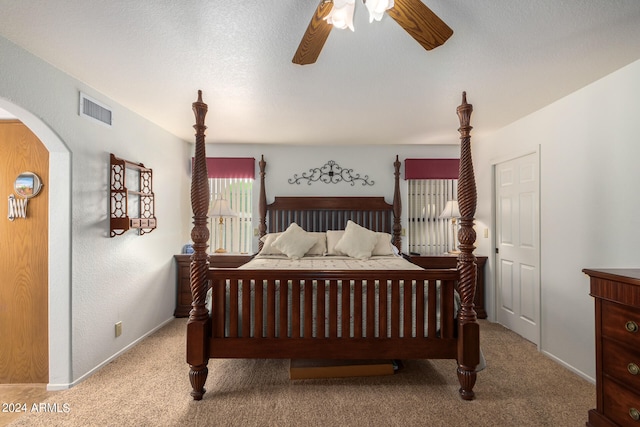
{"x": 183, "y": 297}
{"x": 450, "y": 261}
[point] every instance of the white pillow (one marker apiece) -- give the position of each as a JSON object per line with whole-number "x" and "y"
{"x": 383, "y": 244}
{"x": 319, "y": 248}
{"x": 267, "y": 247}
{"x": 333, "y": 237}
{"x": 294, "y": 242}
{"x": 357, "y": 241}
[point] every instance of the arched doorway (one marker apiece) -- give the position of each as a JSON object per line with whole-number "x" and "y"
{"x": 59, "y": 246}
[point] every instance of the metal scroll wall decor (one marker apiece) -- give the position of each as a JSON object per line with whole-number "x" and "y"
{"x": 330, "y": 173}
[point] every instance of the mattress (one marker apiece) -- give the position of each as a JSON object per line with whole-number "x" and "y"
{"x": 330, "y": 262}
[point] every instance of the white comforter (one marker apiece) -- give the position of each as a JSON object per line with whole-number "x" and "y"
{"x": 330, "y": 262}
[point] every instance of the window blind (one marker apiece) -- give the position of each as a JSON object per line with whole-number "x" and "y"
{"x": 428, "y": 233}
{"x": 237, "y": 231}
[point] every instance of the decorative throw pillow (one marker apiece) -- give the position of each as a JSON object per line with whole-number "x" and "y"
{"x": 357, "y": 241}
{"x": 267, "y": 246}
{"x": 320, "y": 247}
{"x": 294, "y": 242}
{"x": 333, "y": 237}
{"x": 383, "y": 244}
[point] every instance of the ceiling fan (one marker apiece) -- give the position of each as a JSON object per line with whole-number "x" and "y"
{"x": 412, "y": 15}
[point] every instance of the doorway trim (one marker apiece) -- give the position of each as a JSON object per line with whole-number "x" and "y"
{"x": 59, "y": 263}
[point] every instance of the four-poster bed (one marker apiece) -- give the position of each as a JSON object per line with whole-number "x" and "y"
{"x": 329, "y": 311}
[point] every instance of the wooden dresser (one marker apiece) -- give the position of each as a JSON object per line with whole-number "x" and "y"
{"x": 183, "y": 297}
{"x": 617, "y": 305}
{"x": 450, "y": 261}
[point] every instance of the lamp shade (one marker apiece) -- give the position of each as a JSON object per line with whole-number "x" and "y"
{"x": 450, "y": 210}
{"x": 341, "y": 15}
{"x": 220, "y": 208}
{"x": 377, "y": 8}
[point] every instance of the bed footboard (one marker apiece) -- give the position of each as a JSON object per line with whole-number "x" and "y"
{"x": 336, "y": 314}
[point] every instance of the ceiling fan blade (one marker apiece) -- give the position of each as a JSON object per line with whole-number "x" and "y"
{"x": 420, "y": 22}
{"x": 315, "y": 36}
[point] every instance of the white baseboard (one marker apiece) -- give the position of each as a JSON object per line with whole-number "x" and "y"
{"x": 59, "y": 387}
{"x": 569, "y": 367}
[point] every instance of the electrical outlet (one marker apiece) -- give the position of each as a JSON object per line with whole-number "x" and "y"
{"x": 118, "y": 329}
{"x": 403, "y": 232}
{"x": 256, "y": 232}
{"x": 486, "y": 233}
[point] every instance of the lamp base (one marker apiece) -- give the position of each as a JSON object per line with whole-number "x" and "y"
{"x": 454, "y": 252}
{"x": 221, "y": 251}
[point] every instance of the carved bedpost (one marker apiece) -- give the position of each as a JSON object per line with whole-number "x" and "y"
{"x": 468, "y": 328}
{"x": 262, "y": 204}
{"x": 397, "y": 207}
{"x": 199, "y": 323}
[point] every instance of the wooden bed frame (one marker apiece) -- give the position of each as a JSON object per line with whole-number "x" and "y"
{"x": 284, "y": 319}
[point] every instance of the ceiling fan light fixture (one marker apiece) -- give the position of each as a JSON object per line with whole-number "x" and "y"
{"x": 341, "y": 15}
{"x": 377, "y": 8}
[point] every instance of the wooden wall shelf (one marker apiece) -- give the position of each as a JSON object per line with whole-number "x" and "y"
{"x": 132, "y": 198}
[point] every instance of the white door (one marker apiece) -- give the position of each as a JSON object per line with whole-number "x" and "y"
{"x": 518, "y": 242}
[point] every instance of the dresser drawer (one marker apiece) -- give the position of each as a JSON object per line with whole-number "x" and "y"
{"x": 622, "y": 323}
{"x": 621, "y": 405}
{"x": 621, "y": 363}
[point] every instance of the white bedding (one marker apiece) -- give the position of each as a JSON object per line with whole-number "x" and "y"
{"x": 330, "y": 262}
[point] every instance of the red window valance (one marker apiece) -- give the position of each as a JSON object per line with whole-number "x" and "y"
{"x": 431, "y": 168}
{"x": 231, "y": 167}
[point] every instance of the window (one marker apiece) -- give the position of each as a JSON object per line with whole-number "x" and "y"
{"x": 235, "y": 235}
{"x": 428, "y": 233}
{"x": 431, "y": 184}
{"x": 231, "y": 179}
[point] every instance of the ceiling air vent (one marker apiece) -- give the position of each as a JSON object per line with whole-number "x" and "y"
{"x": 95, "y": 110}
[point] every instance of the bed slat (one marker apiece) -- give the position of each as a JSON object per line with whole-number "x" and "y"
{"x": 220, "y": 310}
{"x": 382, "y": 310}
{"x": 259, "y": 310}
{"x": 295, "y": 309}
{"x": 357, "y": 309}
{"x": 446, "y": 300}
{"x": 346, "y": 309}
{"x": 283, "y": 309}
{"x": 371, "y": 309}
{"x": 321, "y": 313}
{"x": 408, "y": 310}
{"x": 420, "y": 302}
{"x": 247, "y": 321}
{"x": 271, "y": 309}
{"x": 431, "y": 311}
{"x": 333, "y": 309}
{"x": 308, "y": 309}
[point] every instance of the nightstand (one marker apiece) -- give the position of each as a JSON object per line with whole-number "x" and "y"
{"x": 450, "y": 261}
{"x": 183, "y": 297}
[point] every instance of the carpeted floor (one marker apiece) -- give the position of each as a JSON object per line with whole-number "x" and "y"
{"x": 149, "y": 386}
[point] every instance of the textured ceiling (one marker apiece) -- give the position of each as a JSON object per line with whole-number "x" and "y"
{"x": 373, "y": 86}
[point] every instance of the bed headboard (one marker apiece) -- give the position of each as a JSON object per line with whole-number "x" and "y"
{"x": 331, "y": 213}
